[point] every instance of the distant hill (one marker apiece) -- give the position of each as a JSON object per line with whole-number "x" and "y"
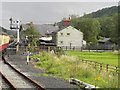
{"x": 9, "y": 32}
{"x": 105, "y": 12}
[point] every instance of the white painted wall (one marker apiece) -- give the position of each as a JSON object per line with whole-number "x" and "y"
{"x": 75, "y": 37}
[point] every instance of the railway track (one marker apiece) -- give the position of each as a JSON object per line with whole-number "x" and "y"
{"x": 15, "y": 79}
{"x": 5, "y": 83}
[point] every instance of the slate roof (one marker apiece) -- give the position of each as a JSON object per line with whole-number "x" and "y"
{"x": 42, "y": 29}
{"x": 60, "y": 29}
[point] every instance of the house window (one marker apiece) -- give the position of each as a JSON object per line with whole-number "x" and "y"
{"x": 61, "y": 33}
{"x": 68, "y": 33}
{"x": 61, "y": 41}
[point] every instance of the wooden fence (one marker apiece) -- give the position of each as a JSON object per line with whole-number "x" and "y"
{"x": 102, "y": 66}
{"x": 91, "y": 48}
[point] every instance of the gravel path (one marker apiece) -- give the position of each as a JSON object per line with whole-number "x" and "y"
{"x": 48, "y": 82}
{"x": 17, "y": 80}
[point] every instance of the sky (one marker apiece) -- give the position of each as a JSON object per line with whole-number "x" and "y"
{"x": 46, "y": 12}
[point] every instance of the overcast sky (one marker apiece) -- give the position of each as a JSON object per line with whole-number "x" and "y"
{"x": 46, "y": 12}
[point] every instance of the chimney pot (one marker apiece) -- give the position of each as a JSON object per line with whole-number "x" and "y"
{"x": 31, "y": 23}
{"x": 55, "y": 24}
{"x": 66, "y": 22}
{"x": 69, "y": 18}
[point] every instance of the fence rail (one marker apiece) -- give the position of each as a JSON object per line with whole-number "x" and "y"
{"x": 102, "y": 66}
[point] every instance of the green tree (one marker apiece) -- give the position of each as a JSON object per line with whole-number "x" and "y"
{"x": 33, "y": 34}
{"x": 106, "y": 26}
{"x": 115, "y": 33}
{"x": 90, "y": 28}
{"x": 74, "y": 22}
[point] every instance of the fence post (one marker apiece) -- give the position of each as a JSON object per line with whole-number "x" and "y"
{"x": 82, "y": 60}
{"x": 116, "y": 69}
{"x": 95, "y": 65}
{"x": 107, "y": 67}
{"x": 90, "y": 62}
{"x": 101, "y": 66}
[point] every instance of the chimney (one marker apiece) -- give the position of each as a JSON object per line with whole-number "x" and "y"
{"x": 64, "y": 18}
{"x": 55, "y": 24}
{"x": 66, "y": 22}
{"x": 31, "y": 24}
{"x": 69, "y": 18}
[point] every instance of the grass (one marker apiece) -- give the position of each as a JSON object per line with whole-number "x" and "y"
{"x": 68, "y": 67}
{"x": 43, "y": 74}
{"x": 103, "y": 57}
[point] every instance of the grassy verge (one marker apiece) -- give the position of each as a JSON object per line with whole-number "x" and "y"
{"x": 71, "y": 67}
{"x": 103, "y": 57}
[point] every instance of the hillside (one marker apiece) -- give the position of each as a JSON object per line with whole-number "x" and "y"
{"x": 105, "y": 12}
{"x": 9, "y": 32}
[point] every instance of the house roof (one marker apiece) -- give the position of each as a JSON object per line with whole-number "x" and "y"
{"x": 42, "y": 29}
{"x": 46, "y": 29}
{"x": 60, "y": 29}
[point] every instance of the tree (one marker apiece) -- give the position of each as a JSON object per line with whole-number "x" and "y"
{"x": 32, "y": 34}
{"x": 90, "y": 28}
{"x": 115, "y": 33}
{"x": 74, "y": 22}
{"x": 106, "y": 26}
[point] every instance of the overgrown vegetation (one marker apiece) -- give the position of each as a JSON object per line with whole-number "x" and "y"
{"x": 71, "y": 67}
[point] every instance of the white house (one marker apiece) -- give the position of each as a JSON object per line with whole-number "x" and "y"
{"x": 68, "y": 38}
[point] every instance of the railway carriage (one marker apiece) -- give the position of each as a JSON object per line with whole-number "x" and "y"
{"x": 4, "y": 41}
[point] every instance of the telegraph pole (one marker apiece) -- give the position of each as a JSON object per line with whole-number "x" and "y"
{"x": 15, "y": 25}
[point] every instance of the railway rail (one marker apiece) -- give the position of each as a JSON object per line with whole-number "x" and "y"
{"x": 15, "y": 79}
{"x": 5, "y": 83}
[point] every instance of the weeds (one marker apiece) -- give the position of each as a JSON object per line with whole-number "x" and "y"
{"x": 71, "y": 67}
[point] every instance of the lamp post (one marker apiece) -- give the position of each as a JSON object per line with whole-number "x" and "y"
{"x": 15, "y": 25}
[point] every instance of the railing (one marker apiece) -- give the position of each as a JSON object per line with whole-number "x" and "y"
{"x": 102, "y": 66}
{"x": 90, "y": 48}
{"x": 32, "y": 49}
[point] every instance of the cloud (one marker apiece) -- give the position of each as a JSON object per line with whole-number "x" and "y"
{"x": 60, "y": 0}
{"x": 47, "y": 12}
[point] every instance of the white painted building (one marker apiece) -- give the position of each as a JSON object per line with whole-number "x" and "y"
{"x": 68, "y": 37}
